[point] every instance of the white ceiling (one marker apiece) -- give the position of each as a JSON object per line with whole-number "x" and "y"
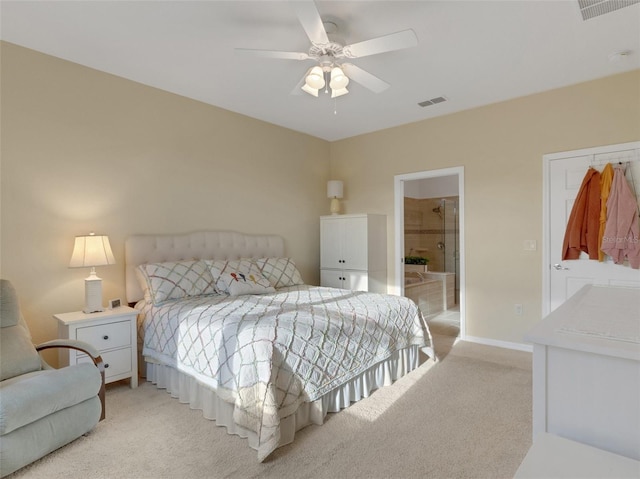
{"x": 472, "y": 52}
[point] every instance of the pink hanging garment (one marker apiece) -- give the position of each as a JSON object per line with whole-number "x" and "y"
{"x": 621, "y": 235}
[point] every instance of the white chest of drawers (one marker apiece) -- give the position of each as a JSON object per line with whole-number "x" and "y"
{"x": 586, "y": 384}
{"x": 112, "y": 332}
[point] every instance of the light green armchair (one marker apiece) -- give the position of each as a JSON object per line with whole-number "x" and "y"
{"x": 41, "y": 408}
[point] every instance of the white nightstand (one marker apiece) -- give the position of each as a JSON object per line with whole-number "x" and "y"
{"x": 113, "y": 332}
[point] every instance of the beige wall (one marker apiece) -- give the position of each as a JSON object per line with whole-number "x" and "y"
{"x": 500, "y": 147}
{"x": 80, "y": 150}
{"x": 86, "y": 151}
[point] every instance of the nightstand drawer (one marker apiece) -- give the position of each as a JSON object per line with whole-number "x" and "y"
{"x": 106, "y": 336}
{"x": 115, "y": 362}
{"x": 112, "y": 332}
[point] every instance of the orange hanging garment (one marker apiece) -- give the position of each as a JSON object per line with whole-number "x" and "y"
{"x": 606, "y": 177}
{"x": 584, "y": 221}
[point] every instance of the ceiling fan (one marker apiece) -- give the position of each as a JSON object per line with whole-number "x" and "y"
{"x": 332, "y": 69}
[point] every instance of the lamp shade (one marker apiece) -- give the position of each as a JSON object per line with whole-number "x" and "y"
{"x": 91, "y": 250}
{"x": 309, "y": 90}
{"x": 338, "y": 79}
{"x": 334, "y": 189}
{"x": 340, "y": 92}
{"x": 315, "y": 78}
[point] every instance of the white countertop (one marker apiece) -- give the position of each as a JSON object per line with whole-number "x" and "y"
{"x": 598, "y": 319}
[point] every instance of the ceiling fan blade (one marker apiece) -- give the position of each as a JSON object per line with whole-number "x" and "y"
{"x": 365, "y": 78}
{"x": 311, "y": 22}
{"x": 273, "y": 54}
{"x": 386, "y": 43}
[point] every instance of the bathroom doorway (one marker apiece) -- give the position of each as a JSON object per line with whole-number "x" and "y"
{"x": 431, "y": 229}
{"x": 429, "y": 224}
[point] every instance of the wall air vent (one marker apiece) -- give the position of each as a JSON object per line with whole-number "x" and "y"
{"x": 434, "y": 101}
{"x": 595, "y": 8}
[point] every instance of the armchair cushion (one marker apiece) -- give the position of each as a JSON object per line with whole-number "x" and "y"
{"x": 9, "y": 306}
{"x": 18, "y": 355}
{"x": 32, "y": 396}
{"x": 35, "y": 440}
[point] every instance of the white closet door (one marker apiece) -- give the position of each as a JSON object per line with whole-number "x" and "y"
{"x": 331, "y": 243}
{"x": 565, "y": 174}
{"x": 355, "y": 244}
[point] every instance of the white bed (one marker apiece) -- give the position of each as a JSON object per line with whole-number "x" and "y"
{"x": 280, "y": 357}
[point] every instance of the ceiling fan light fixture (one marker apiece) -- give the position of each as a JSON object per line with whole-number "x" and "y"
{"x": 330, "y": 54}
{"x": 311, "y": 91}
{"x": 315, "y": 78}
{"x": 336, "y": 92}
{"x": 339, "y": 80}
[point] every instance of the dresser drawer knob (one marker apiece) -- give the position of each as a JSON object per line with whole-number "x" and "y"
{"x": 106, "y": 365}
{"x": 105, "y": 337}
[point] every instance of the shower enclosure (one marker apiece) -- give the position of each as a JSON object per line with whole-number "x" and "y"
{"x": 448, "y": 243}
{"x": 432, "y": 232}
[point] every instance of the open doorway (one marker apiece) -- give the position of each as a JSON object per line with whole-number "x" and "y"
{"x": 429, "y": 227}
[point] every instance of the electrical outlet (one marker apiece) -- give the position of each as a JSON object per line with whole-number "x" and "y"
{"x": 517, "y": 308}
{"x": 529, "y": 245}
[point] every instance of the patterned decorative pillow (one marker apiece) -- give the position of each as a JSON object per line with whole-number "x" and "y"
{"x": 176, "y": 279}
{"x": 235, "y": 272}
{"x": 280, "y": 272}
{"x": 249, "y": 285}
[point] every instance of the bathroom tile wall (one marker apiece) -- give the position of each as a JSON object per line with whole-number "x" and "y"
{"x": 423, "y": 230}
{"x": 428, "y": 295}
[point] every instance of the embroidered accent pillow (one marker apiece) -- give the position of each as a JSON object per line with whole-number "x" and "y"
{"x": 176, "y": 279}
{"x": 249, "y": 285}
{"x": 240, "y": 276}
{"x": 280, "y": 272}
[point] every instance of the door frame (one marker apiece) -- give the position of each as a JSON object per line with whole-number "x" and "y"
{"x": 398, "y": 262}
{"x": 546, "y": 205}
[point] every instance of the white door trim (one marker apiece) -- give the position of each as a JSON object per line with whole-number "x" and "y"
{"x": 399, "y": 231}
{"x": 546, "y": 240}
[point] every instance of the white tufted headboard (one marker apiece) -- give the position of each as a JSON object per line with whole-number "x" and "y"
{"x": 141, "y": 249}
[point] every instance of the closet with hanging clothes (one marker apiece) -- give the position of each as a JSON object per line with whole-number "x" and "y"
{"x": 604, "y": 219}
{"x": 564, "y": 176}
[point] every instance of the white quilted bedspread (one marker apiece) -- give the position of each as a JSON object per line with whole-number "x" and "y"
{"x": 268, "y": 353}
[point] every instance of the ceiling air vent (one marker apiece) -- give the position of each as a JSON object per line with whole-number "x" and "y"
{"x": 434, "y": 101}
{"x": 595, "y": 8}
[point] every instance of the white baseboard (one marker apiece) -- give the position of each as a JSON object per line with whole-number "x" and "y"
{"x": 499, "y": 344}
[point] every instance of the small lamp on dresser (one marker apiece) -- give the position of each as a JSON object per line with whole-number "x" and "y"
{"x": 335, "y": 191}
{"x": 90, "y": 251}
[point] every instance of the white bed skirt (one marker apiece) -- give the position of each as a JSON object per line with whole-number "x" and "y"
{"x": 199, "y": 396}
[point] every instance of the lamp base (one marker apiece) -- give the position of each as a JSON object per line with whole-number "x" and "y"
{"x": 92, "y": 294}
{"x": 335, "y": 206}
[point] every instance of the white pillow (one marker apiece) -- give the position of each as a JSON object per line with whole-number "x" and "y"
{"x": 176, "y": 279}
{"x": 280, "y": 272}
{"x": 241, "y": 276}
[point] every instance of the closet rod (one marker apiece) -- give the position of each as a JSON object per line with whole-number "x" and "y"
{"x": 629, "y": 157}
{"x": 632, "y": 156}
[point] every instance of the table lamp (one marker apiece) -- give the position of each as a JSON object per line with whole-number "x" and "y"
{"x": 91, "y": 251}
{"x": 334, "y": 191}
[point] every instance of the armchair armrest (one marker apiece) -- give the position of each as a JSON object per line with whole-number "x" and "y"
{"x": 70, "y": 344}
{"x": 87, "y": 349}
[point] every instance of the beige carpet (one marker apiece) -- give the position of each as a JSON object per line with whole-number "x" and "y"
{"x": 468, "y": 416}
